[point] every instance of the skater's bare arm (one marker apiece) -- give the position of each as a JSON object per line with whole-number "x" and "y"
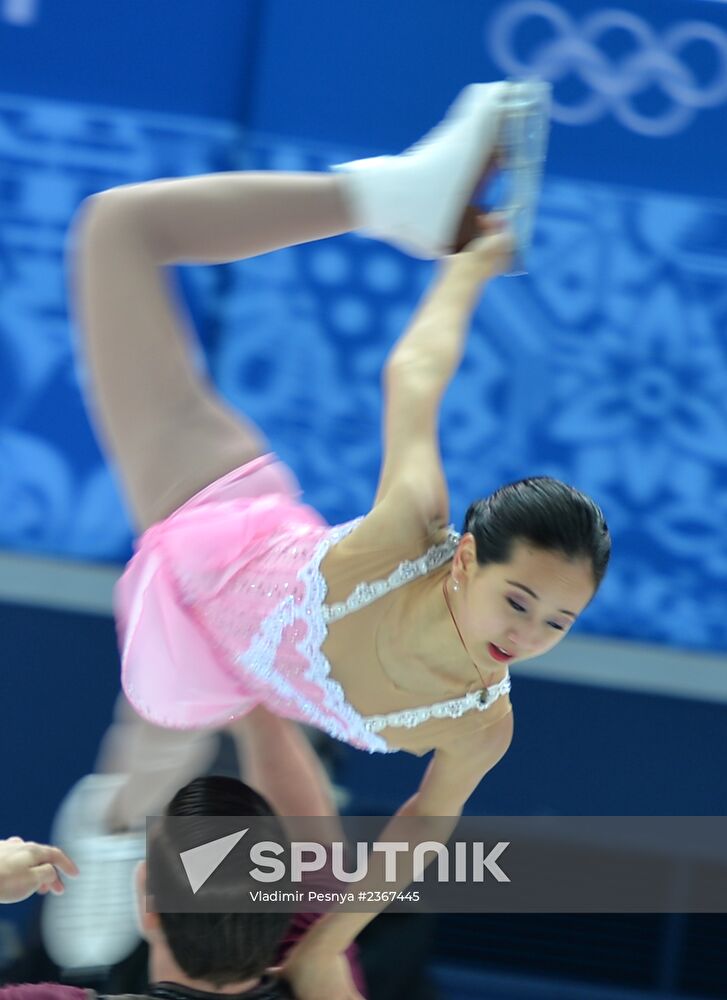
{"x": 417, "y": 373}
{"x": 450, "y": 779}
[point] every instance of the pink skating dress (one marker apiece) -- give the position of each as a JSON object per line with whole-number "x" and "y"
{"x": 222, "y": 608}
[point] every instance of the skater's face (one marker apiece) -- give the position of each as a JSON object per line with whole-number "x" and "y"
{"x": 524, "y": 606}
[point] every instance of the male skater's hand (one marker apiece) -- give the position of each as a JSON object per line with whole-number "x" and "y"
{"x": 27, "y": 867}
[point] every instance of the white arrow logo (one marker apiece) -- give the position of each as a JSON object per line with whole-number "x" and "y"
{"x": 201, "y": 862}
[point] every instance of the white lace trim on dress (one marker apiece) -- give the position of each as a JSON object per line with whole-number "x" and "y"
{"x": 310, "y": 646}
{"x": 452, "y": 709}
{"x": 367, "y": 593}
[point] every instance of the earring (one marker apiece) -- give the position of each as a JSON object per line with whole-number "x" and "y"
{"x": 455, "y": 586}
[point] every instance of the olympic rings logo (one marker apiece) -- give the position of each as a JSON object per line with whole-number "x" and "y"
{"x": 574, "y": 49}
{"x": 19, "y": 12}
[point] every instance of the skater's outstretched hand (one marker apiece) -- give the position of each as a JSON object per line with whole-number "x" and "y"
{"x": 26, "y": 867}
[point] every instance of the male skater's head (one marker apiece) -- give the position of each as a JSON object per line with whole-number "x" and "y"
{"x": 221, "y": 952}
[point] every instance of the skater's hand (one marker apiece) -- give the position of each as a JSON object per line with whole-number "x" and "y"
{"x": 319, "y": 976}
{"x": 488, "y": 254}
{"x": 26, "y": 867}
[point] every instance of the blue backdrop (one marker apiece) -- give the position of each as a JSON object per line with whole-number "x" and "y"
{"x": 606, "y": 366}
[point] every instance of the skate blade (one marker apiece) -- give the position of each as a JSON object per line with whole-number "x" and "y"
{"x": 524, "y": 144}
{"x": 510, "y": 180}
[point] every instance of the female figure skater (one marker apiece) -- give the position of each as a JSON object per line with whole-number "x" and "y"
{"x": 391, "y": 632}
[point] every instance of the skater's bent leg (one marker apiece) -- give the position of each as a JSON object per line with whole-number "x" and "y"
{"x": 156, "y": 762}
{"x": 160, "y": 420}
